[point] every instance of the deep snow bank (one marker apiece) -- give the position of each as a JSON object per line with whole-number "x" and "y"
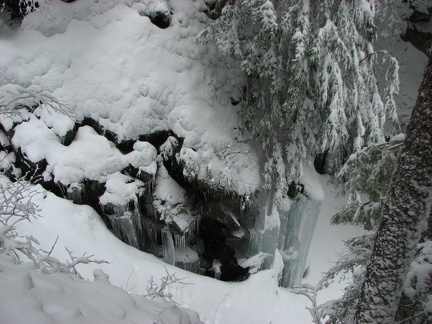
{"x": 28, "y": 296}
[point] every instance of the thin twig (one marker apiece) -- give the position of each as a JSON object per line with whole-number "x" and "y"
{"x": 52, "y": 248}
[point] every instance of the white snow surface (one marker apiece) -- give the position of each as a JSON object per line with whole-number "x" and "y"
{"x": 80, "y": 229}
{"x": 28, "y": 296}
{"x": 105, "y": 60}
{"x": 89, "y": 156}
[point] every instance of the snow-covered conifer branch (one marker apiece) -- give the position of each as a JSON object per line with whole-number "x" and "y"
{"x": 358, "y": 252}
{"x": 368, "y": 171}
{"x": 311, "y": 87}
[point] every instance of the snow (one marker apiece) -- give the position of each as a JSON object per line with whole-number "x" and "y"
{"x": 144, "y": 154}
{"x": 28, "y": 296}
{"x": 227, "y": 302}
{"x": 167, "y": 189}
{"x": 327, "y": 242}
{"x": 398, "y": 138}
{"x": 312, "y": 186}
{"x": 105, "y": 60}
{"x": 412, "y": 64}
{"x": 120, "y": 190}
{"x": 89, "y": 156}
{"x": 256, "y": 300}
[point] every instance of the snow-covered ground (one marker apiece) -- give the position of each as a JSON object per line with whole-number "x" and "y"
{"x": 79, "y": 228}
{"x": 28, "y": 296}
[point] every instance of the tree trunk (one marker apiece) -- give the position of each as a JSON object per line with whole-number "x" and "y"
{"x": 405, "y": 216}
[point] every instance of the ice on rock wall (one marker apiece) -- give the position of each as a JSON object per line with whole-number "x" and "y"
{"x": 185, "y": 257}
{"x": 264, "y": 236}
{"x": 125, "y": 227}
{"x": 168, "y": 246}
{"x": 297, "y": 228}
{"x": 287, "y": 226}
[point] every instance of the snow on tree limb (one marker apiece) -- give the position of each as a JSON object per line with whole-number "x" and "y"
{"x": 311, "y": 82}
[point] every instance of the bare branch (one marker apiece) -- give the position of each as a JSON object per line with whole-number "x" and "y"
{"x": 161, "y": 291}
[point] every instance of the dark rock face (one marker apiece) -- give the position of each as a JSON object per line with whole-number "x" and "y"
{"x": 320, "y": 163}
{"x": 420, "y": 39}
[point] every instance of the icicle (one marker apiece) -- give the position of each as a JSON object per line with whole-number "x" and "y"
{"x": 183, "y": 242}
{"x": 216, "y": 268}
{"x": 195, "y": 226}
{"x": 180, "y": 242}
{"x": 298, "y": 230}
{"x": 168, "y": 246}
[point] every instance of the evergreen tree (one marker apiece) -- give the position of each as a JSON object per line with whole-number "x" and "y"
{"x": 405, "y": 216}
{"x": 370, "y": 172}
{"x": 311, "y": 82}
{"x": 367, "y": 172}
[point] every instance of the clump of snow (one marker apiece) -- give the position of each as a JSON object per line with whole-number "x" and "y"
{"x": 61, "y": 298}
{"x": 143, "y": 157}
{"x": 167, "y": 190}
{"x": 185, "y": 254}
{"x": 35, "y": 139}
{"x": 398, "y": 138}
{"x": 120, "y": 190}
{"x": 89, "y": 156}
{"x": 234, "y": 167}
{"x": 254, "y": 263}
{"x": 312, "y": 186}
{"x": 57, "y": 121}
{"x": 170, "y": 201}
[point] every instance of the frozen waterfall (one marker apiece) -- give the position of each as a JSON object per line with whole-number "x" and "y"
{"x": 287, "y": 227}
{"x": 296, "y": 231}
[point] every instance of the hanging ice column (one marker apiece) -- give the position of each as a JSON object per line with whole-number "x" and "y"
{"x": 287, "y": 227}
{"x": 264, "y": 236}
{"x": 296, "y": 231}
